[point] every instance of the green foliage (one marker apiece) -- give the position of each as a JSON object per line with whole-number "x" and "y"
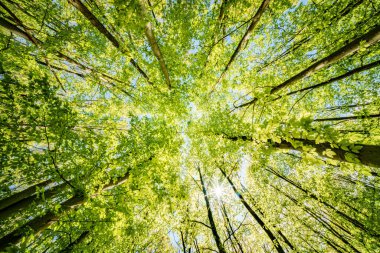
{"x": 99, "y": 154}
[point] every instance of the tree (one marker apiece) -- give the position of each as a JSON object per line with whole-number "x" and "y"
{"x": 189, "y": 126}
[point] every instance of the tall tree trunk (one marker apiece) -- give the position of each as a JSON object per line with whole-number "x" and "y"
{"x": 353, "y": 221}
{"x": 210, "y": 216}
{"x": 29, "y": 37}
{"x": 183, "y": 242}
{"x": 38, "y": 224}
{"x": 367, "y": 155}
{"x": 149, "y": 33}
{"x": 232, "y": 231}
{"x": 370, "y": 38}
{"x": 77, "y": 241}
{"x": 103, "y": 30}
{"x": 371, "y": 116}
{"x": 286, "y": 240}
{"x": 322, "y": 221}
{"x": 246, "y": 36}
{"x": 26, "y": 193}
{"x": 254, "y": 215}
{"x": 25, "y": 202}
{"x": 334, "y": 79}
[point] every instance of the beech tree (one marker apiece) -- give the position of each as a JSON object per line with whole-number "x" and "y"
{"x": 190, "y": 126}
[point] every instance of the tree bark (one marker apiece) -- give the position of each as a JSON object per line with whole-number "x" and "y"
{"x": 232, "y": 231}
{"x": 29, "y": 37}
{"x": 27, "y": 200}
{"x": 210, "y": 216}
{"x": 28, "y": 192}
{"x": 353, "y": 221}
{"x": 254, "y": 215}
{"x": 246, "y": 36}
{"x": 349, "y": 118}
{"x": 320, "y": 220}
{"x": 38, "y": 224}
{"x": 334, "y": 79}
{"x": 368, "y": 155}
{"x": 370, "y": 38}
{"x": 103, "y": 30}
{"x": 149, "y": 33}
{"x": 157, "y": 52}
{"x": 78, "y": 240}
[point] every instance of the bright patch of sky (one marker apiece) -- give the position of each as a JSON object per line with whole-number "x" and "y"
{"x": 194, "y": 46}
{"x": 244, "y": 165}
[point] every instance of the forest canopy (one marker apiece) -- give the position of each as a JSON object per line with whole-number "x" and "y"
{"x": 190, "y": 126}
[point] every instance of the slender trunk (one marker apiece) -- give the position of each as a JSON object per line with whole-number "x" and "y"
{"x": 254, "y": 215}
{"x": 324, "y": 237}
{"x": 38, "y": 224}
{"x": 18, "y": 22}
{"x": 353, "y": 221}
{"x": 149, "y": 33}
{"x": 157, "y": 52}
{"x": 351, "y": 6}
{"x": 26, "y": 193}
{"x": 103, "y": 30}
{"x": 340, "y": 107}
{"x": 367, "y": 155}
{"x": 349, "y": 118}
{"x": 77, "y": 241}
{"x": 15, "y": 30}
{"x": 320, "y": 220}
{"x": 210, "y": 216}
{"x": 334, "y": 79}
{"x": 25, "y": 202}
{"x": 224, "y": 210}
{"x": 370, "y": 38}
{"x": 286, "y": 240}
{"x": 183, "y": 242}
{"x": 94, "y": 21}
{"x": 246, "y": 36}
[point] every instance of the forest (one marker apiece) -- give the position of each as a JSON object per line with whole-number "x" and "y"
{"x": 189, "y": 126}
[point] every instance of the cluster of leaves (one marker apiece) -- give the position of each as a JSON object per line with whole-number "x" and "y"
{"x": 189, "y": 126}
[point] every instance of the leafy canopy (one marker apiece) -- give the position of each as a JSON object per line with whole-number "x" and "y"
{"x": 189, "y": 126}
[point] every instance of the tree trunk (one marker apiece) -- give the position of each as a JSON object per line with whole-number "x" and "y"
{"x": 349, "y": 118}
{"x": 80, "y": 239}
{"x": 367, "y": 155}
{"x": 334, "y": 79}
{"x": 27, "y": 200}
{"x": 353, "y": 221}
{"x": 254, "y": 215}
{"x": 149, "y": 33}
{"x": 210, "y": 216}
{"x": 232, "y": 233}
{"x": 286, "y": 240}
{"x": 322, "y": 221}
{"x": 157, "y": 52}
{"x": 247, "y": 34}
{"x": 103, "y": 30}
{"x": 38, "y": 224}
{"x": 28, "y": 192}
{"x": 370, "y": 38}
